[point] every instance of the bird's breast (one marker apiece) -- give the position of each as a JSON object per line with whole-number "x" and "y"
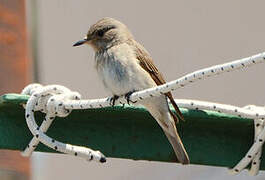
{"x": 120, "y": 72}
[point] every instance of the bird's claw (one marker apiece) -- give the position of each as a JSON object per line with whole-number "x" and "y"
{"x": 128, "y": 97}
{"x": 113, "y": 99}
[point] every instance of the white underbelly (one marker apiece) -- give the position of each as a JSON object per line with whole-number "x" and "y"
{"x": 120, "y": 79}
{"x": 120, "y": 70}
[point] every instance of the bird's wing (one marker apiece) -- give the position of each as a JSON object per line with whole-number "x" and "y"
{"x": 147, "y": 64}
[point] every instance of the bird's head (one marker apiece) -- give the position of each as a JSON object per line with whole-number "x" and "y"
{"x": 106, "y": 33}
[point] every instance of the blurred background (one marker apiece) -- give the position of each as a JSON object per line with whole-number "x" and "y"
{"x": 36, "y": 39}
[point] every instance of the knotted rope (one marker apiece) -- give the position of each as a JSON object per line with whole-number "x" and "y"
{"x": 55, "y": 100}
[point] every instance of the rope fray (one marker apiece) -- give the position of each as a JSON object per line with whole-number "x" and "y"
{"x": 55, "y": 100}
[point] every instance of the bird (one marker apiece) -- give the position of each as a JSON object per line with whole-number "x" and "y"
{"x": 125, "y": 67}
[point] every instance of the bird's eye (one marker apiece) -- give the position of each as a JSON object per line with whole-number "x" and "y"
{"x": 100, "y": 33}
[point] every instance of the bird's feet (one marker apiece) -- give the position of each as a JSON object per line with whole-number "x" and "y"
{"x": 113, "y": 99}
{"x": 128, "y": 96}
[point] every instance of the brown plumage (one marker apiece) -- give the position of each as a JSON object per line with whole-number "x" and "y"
{"x": 125, "y": 66}
{"x": 147, "y": 63}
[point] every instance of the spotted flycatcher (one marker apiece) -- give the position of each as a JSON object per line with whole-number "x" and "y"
{"x": 125, "y": 67}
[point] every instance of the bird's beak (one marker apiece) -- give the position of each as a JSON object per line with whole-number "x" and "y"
{"x": 83, "y": 41}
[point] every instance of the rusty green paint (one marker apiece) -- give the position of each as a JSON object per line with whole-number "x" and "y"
{"x": 129, "y": 132}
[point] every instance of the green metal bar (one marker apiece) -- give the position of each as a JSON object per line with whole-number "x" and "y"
{"x": 129, "y": 132}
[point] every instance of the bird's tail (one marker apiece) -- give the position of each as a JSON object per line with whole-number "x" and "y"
{"x": 158, "y": 108}
{"x": 178, "y": 147}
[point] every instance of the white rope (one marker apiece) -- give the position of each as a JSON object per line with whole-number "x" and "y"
{"x": 172, "y": 85}
{"x": 53, "y": 107}
{"x": 255, "y": 165}
{"x": 58, "y": 100}
{"x": 250, "y": 111}
{"x": 255, "y": 152}
{"x": 221, "y": 108}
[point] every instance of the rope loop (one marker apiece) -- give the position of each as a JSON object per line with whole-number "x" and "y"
{"x": 50, "y": 99}
{"x": 56, "y": 100}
